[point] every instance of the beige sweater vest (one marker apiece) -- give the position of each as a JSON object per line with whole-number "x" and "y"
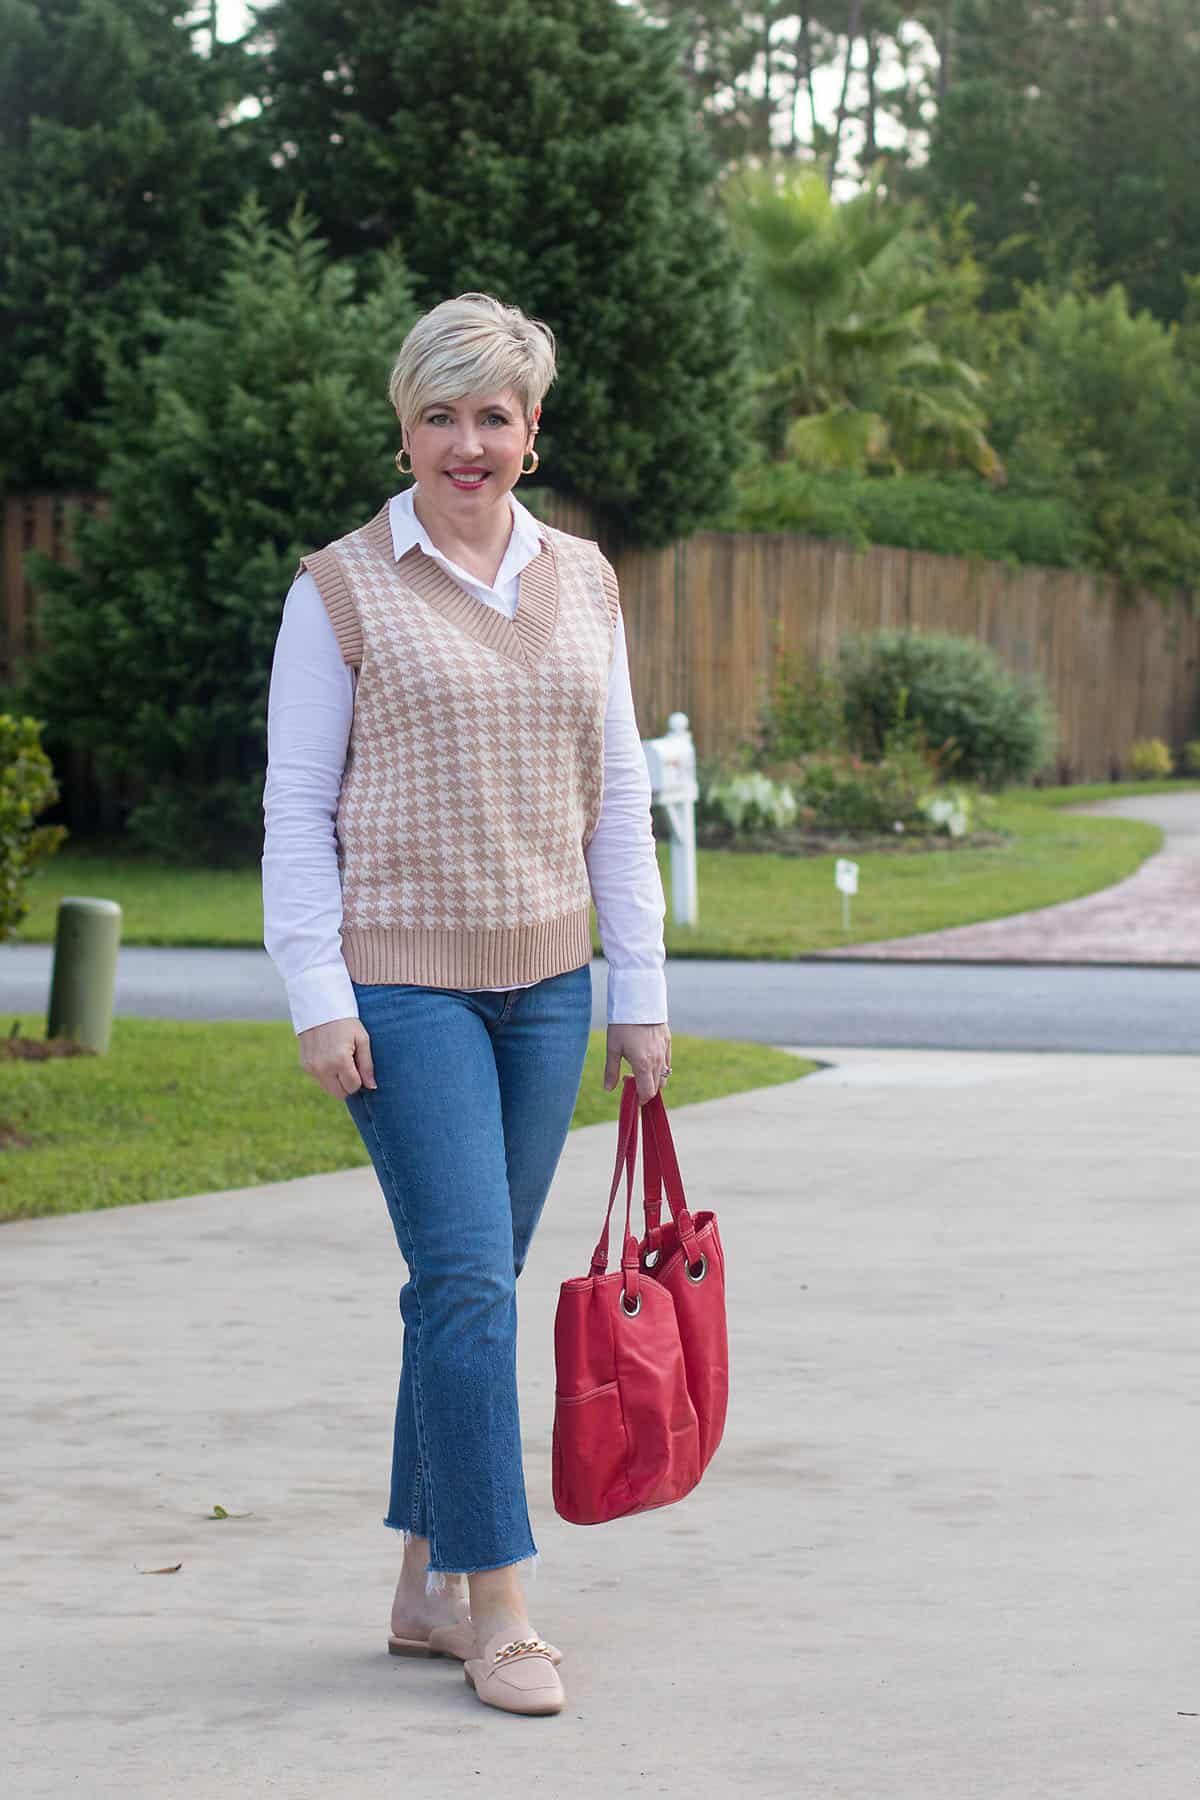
{"x": 474, "y": 770}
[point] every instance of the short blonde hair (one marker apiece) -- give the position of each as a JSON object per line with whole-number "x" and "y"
{"x": 473, "y": 344}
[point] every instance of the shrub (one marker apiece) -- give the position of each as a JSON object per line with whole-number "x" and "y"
{"x": 1191, "y": 756}
{"x": 838, "y": 793}
{"x": 27, "y": 787}
{"x": 804, "y": 709}
{"x": 846, "y": 793}
{"x": 1150, "y": 760}
{"x": 951, "y": 514}
{"x": 995, "y": 727}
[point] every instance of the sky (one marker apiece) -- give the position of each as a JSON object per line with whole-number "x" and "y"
{"x": 232, "y": 17}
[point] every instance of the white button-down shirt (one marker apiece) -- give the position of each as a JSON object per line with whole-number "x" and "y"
{"x": 309, "y": 715}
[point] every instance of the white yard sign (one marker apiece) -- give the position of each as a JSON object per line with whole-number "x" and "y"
{"x": 845, "y": 879}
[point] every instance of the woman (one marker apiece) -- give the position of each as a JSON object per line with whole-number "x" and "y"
{"x": 455, "y": 772}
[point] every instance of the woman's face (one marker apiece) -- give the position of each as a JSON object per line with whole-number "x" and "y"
{"x": 453, "y": 442}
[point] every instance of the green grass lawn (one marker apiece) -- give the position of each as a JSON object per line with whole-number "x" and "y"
{"x": 772, "y": 906}
{"x": 182, "y": 1108}
{"x": 159, "y": 1116}
{"x": 750, "y": 905}
{"x": 1085, "y": 792}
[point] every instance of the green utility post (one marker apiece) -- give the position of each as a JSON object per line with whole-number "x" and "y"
{"x": 84, "y": 976}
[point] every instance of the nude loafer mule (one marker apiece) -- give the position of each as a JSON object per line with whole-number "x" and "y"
{"x": 517, "y": 1677}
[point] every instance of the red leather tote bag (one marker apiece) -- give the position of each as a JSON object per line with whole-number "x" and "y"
{"x": 685, "y": 1257}
{"x": 640, "y": 1353}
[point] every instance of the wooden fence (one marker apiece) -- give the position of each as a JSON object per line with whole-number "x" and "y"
{"x": 30, "y": 522}
{"x": 700, "y": 616}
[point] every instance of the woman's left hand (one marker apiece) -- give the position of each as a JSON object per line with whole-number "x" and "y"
{"x": 647, "y": 1050}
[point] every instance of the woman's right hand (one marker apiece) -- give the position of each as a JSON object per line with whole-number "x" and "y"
{"x": 338, "y": 1056}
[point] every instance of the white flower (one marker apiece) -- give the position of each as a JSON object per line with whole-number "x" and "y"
{"x": 948, "y": 812}
{"x": 754, "y": 799}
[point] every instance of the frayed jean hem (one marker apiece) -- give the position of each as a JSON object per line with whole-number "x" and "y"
{"x": 436, "y": 1579}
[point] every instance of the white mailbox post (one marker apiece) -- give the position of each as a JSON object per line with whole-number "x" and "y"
{"x": 671, "y": 761}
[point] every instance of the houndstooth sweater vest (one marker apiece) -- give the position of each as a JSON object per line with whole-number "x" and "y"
{"x": 474, "y": 770}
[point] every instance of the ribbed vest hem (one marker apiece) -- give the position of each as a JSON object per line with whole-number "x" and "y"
{"x": 389, "y": 953}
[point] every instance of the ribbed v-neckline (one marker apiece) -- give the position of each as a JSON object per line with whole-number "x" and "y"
{"x": 525, "y": 637}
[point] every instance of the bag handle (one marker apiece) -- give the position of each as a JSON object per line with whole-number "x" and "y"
{"x": 660, "y": 1167}
{"x": 627, "y": 1141}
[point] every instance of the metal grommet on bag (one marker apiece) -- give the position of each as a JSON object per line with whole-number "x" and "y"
{"x": 631, "y": 1312}
{"x": 701, "y": 1269}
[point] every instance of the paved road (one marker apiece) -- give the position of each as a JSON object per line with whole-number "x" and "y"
{"x": 945, "y": 1552}
{"x": 909, "y": 992}
{"x": 927, "y": 1006}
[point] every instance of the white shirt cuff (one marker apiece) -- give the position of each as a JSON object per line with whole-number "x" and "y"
{"x": 637, "y": 996}
{"x": 318, "y": 995}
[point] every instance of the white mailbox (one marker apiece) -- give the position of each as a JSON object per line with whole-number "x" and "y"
{"x": 671, "y": 761}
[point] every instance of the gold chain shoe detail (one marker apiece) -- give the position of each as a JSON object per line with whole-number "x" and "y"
{"x": 521, "y": 1647}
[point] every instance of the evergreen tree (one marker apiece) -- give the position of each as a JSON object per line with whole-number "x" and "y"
{"x": 1074, "y": 130}
{"x": 1098, "y": 405}
{"x": 545, "y": 151}
{"x": 116, "y": 171}
{"x": 258, "y": 430}
{"x": 756, "y": 71}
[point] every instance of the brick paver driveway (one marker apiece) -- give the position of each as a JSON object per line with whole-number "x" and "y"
{"x": 1152, "y": 917}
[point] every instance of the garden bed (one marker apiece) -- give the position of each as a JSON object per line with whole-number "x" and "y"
{"x": 792, "y": 841}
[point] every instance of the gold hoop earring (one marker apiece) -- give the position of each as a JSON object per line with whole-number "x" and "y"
{"x": 536, "y": 461}
{"x": 399, "y": 461}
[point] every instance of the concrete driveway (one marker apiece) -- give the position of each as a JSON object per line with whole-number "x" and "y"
{"x": 945, "y": 1553}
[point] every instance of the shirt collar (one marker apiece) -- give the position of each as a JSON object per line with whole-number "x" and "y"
{"x": 526, "y": 541}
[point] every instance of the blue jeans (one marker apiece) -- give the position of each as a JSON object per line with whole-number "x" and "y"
{"x": 465, "y": 1128}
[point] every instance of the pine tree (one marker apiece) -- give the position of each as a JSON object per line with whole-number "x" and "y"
{"x": 116, "y": 173}
{"x": 258, "y": 430}
{"x": 545, "y": 151}
{"x": 1073, "y": 130}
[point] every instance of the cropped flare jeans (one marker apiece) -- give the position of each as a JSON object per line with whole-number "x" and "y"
{"x": 474, "y": 1098}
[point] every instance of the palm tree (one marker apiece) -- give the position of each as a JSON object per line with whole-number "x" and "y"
{"x": 848, "y": 376}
